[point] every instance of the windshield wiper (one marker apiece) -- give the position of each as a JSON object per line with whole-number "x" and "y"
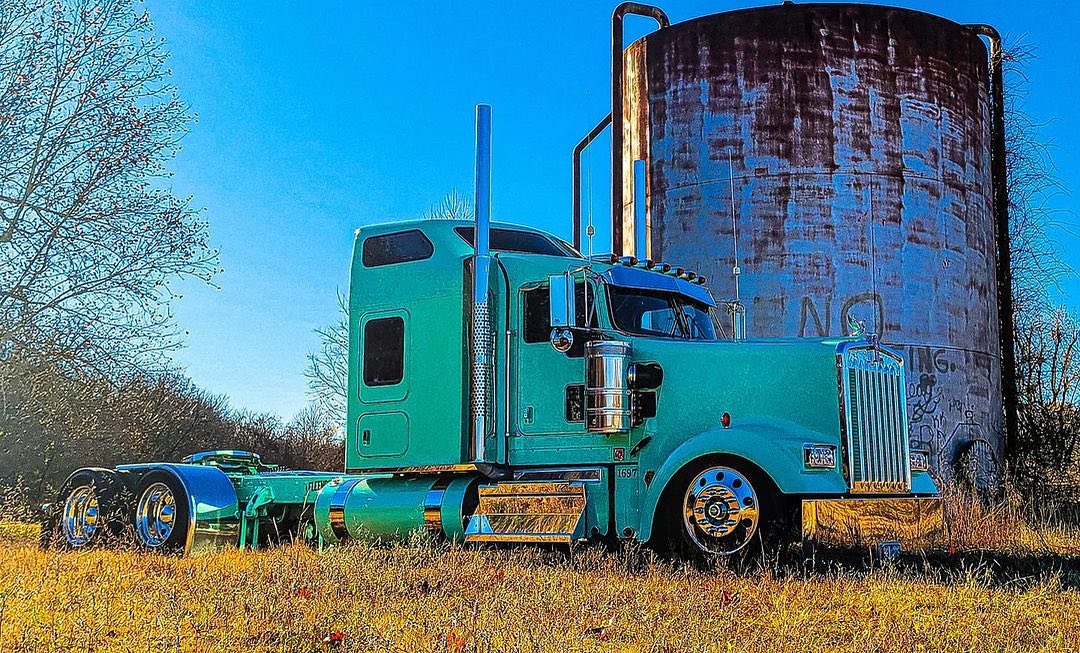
{"x": 681, "y": 319}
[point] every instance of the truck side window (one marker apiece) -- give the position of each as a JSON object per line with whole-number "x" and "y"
{"x": 512, "y": 240}
{"x": 384, "y": 351}
{"x": 400, "y": 247}
{"x": 538, "y": 313}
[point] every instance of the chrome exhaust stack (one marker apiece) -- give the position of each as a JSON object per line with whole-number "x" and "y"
{"x": 482, "y": 341}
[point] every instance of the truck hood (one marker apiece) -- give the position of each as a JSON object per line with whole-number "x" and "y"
{"x": 790, "y": 380}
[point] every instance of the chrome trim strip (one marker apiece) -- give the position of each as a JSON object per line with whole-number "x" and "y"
{"x": 418, "y": 469}
{"x": 337, "y": 508}
{"x": 433, "y": 502}
{"x": 586, "y": 474}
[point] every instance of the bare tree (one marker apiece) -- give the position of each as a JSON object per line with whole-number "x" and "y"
{"x": 315, "y": 437}
{"x": 454, "y": 206}
{"x": 1048, "y": 365}
{"x": 90, "y": 239}
{"x": 1043, "y": 464}
{"x": 328, "y": 367}
{"x": 1037, "y": 260}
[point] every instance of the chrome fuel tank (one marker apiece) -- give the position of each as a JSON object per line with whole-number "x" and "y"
{"x": 392, "y": 507}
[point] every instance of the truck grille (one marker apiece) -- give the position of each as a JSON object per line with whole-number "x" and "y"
{"x": 874, "y": 420}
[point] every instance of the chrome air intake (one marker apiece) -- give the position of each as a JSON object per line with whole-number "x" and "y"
{"x": 607, "y": 392}
{"x": 874, "y": 419}
{"x": 481, "y": 339}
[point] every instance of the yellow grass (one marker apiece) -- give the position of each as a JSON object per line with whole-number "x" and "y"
{"x": 1003, "y": 526}
{"x": 425, "y": 598}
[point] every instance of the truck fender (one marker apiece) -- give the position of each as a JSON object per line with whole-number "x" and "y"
{"x": 211, "y": 502}
{"x": 773, "y": 446}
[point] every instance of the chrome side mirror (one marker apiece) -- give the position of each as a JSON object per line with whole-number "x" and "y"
{"x": 561, "y": 300}
{"x": 562, "y": 339}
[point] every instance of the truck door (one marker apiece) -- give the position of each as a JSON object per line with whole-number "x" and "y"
{"x": 550, "y": 426}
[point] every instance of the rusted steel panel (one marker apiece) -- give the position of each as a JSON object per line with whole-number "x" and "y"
{"x": 859, "y": 146}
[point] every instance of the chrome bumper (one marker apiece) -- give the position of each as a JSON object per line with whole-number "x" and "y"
{"x": 915, "y": 523}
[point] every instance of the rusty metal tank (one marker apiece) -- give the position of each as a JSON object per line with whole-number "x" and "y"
{"x": 856, "y": 141}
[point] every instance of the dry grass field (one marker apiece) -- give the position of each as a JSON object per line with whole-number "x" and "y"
{"x": 435, "y": 598}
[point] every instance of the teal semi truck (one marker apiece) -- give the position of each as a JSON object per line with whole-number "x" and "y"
{"x": 504, "y": 388}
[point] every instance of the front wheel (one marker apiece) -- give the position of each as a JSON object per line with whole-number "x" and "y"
{"x": 719, "y": 513}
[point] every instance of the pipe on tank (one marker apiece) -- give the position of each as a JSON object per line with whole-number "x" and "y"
{"x": 641, "y": 217}
{"x": 482, "y": 341}
{"x": 578, "y": 149}
{"x": 999, "y": 184}
{"x": 620, "y": 12}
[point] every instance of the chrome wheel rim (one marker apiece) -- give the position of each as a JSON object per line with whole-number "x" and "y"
{"x": 720, "y": 511}
{"x": 81, "y": 516}
{"x": 155, "y": 515}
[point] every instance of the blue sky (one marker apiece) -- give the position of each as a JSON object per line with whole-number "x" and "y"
{"x": 317, "y": 118}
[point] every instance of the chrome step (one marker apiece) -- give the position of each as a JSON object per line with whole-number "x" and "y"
{"x": 528, "y": 512}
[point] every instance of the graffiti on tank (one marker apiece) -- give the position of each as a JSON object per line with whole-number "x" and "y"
{"x": 924, "y": 396}
{"x": 866, "y": 307}
{"x": 947, "y": 427}
{"x": 931, "y": 435}
{"x": 930, "y": 359}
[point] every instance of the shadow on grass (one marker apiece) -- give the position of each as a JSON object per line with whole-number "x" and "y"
{"x": 995, "y": 568}
{"x": 988, "y": 568}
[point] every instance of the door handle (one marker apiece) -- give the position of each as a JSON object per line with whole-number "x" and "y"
{"x": 367, "y": 437}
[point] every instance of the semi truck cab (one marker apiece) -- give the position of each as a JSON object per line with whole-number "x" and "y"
{"x": 613, "y": 390}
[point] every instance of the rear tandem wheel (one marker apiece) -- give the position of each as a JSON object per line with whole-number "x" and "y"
{"x": 161, "y": 515}
{"x": 92, "y": 508}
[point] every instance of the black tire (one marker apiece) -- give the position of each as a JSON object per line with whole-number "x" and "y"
{"x": 685, "y": 539}
{"x": 160, "y": 514}
{"x": 91, "y": 509}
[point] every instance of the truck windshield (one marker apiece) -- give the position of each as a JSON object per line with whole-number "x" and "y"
{"x": 649, "y": 312}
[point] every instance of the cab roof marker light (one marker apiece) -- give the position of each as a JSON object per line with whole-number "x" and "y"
{"x": 628, "y": 261}
{"x": 700, "y": 280}
{"x": 662, "y": 267}
{"x": 646, "y": 263}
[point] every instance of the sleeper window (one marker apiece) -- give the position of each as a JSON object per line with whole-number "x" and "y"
{"x": 400, "y": 247}
{"x": 384, "y": 351}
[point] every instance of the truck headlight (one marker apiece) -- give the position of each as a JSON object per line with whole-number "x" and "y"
{"x": 819, "y": 456}
{"x": 919, "y": 460}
